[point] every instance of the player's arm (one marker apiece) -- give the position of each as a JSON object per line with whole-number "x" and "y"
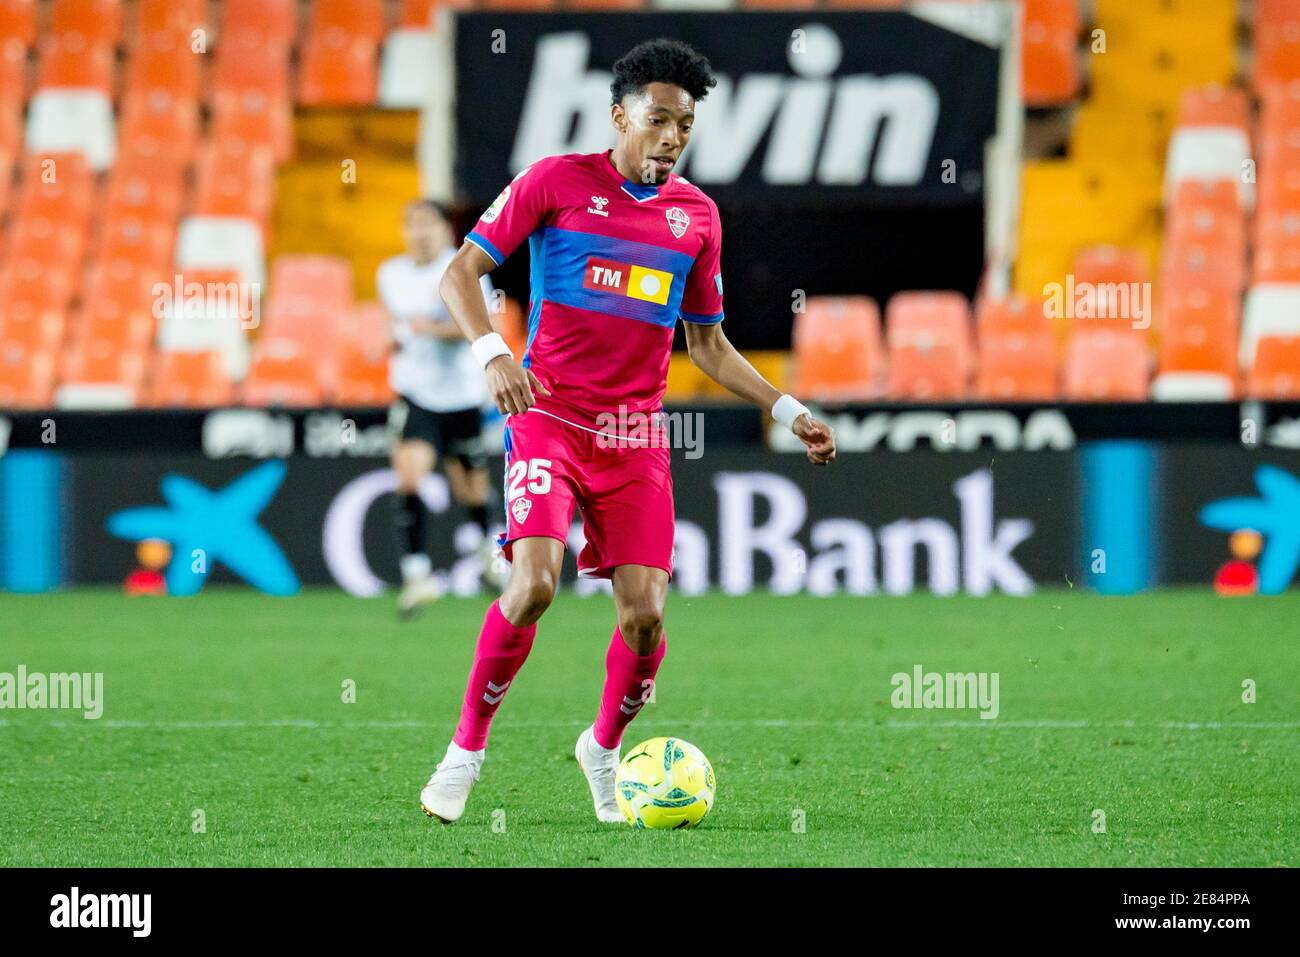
{"x": 510, "y": 385}
{"x": 715, "y": 356}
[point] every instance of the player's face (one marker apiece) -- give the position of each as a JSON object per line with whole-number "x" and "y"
{"x": 425, "y": 231}
{"x": 654, "y": 127}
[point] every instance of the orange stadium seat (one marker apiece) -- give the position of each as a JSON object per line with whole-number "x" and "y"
{"x": 320, "y": 280}
{"x": 167, "y": 64}
{"x": 837, "y": 350}
{"x": 36, "y": 283}
{"x": 338, "y": 69}
{"x": 362, "y": 378}
{"x": 46, "y": 239}
{"x": 32, "y": 324}
{"x": 263, "y": 69}
{"x": 130, "y": 326}
{"x": 369, "y": 330}
{"x": 1220, "y": 194}
{"x": 1276, "y": 372}
{"x": 18, "y": 21}
{"x": 11, "y": 127}
{"x": 26, "y": 376}
{"x": 168, "y": 19}
{"x": 99, "y": 21}
{"x": 6, "y": 181}
{"x": 1203, "y": 342}
{"x": 13, "y": 71}
{"x": 162, "y": 115}
{"x": 120, "y": 280}
{"x": 1104, "y": 366}
{"x": 1279, "y": 188}
{"x": 1214, "y": 260}
{"x": 360, "y": 18}
{"x": 924, "y": 319}
{"x": 275, "y": 20}
{"x": 58, "y": 185}
{"x": 235, "y": 179}
{"x": 1277, "y": 42}
{"x": 156, "y": 195}
{"x": 1214, "y": 106}
{"x": 1110, "y": 264}
{"x": 72, "y": 60}
{"x": 94, "y": 361}
{"x": 1049, "y": 51}
{"x": 146, "y": 243}
{"x": 1199, "y": 305}
{"x": 1018, "y": 366}
{"x": 1012, "y": 314}
{"x": 188, "y": 380}
{"x": 926, "y": 372}
{"x": 279, "y": 376}
{"x": 248, "y": 117}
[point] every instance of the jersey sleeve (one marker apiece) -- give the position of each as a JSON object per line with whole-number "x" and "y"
{"x": 521, "y": 207}
{"x": 702, "y": 300}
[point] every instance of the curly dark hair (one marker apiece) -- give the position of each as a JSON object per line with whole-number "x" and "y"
{"x": 662, "y": 61}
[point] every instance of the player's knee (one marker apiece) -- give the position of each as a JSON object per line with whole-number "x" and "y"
{"x": 530, "y": 594}
{"x": 641, "y": 625}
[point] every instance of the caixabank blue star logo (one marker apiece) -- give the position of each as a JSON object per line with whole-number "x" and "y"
{"x": 205, "y": 526}
{"x": 1275, "y": 515}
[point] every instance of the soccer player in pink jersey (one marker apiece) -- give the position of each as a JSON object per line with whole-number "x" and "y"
{"x": 621, "y": 247}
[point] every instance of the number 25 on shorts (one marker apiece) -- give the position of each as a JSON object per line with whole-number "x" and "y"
{"x": 537, "y": 472}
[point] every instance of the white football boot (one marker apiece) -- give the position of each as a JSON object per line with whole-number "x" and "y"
{"x": 495, "y": 568}
{"x": 445, "y": 795}
{"x": 600, "y": 766}
{"x": 419, "y": 587}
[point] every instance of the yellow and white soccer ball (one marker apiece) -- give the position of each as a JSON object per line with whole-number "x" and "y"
{"x": 665, "y": 783}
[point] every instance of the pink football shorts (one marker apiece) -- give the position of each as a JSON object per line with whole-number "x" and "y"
{"x": 622, "y": 486}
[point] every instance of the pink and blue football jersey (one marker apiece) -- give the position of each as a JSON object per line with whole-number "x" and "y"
{"x": 614, "y": 263}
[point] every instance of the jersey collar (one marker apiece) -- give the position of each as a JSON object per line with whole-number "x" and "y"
{"x": 641, "y": 192}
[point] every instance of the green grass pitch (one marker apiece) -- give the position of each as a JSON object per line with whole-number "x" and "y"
{"x": 231, "y": 703}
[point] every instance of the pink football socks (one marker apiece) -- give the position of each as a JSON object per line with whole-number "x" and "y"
{"x": 501, "y": 651}
{"x": 628, "y": 681}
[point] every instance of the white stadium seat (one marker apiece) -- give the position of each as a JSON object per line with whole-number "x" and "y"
{"x": 407, "y": 70}
{"x": 94, "y": 396}
{"x": 1271, "y": 310}
{"x": 1191, "y": 387}
{"x": 1210, "y": 153}
{"x": 222, "y": 242}
{"x": 64, "y": 120}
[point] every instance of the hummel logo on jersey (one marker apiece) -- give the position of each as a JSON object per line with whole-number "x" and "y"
{"x": 598, "y": 204}
{"x": 635, "y": 282}
{"x": 677, "y": 221}
{"x": 495, "y": 692}
{"x": 520, "y": 509}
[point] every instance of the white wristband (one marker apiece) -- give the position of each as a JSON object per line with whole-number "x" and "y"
{"x": 488, "y": 347}
{"x": 786, "y": 409}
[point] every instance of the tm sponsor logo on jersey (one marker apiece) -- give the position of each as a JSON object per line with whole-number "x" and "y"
{"x": 625, "y": 279}
{"x": 813, "y": 125}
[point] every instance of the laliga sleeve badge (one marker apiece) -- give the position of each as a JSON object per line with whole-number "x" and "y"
{"x": 492, "y": 212}
{"x": 520, "y": 509}
{"x": 677, "y": 221}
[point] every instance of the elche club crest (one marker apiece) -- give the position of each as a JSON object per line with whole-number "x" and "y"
{"x": 677, "y": 221}
{"x": 520, "y": 509}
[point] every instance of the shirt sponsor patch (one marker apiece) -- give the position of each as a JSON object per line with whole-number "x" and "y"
{"x": 625, "y": 279}
{"x": 492, "y": 212}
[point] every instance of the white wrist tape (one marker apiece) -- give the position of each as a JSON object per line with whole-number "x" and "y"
{"x": 488, "y": 347}
{"x": 786, "y": 409}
